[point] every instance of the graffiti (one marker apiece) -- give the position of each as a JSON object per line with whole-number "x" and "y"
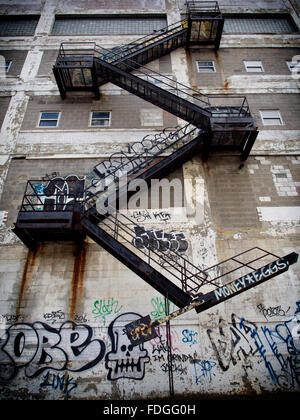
{"x": 54, "y": 316}
{"x": 175, "y": 367}
{"x": 64, "y": 383}
{"x": 39, "y": 346}
{"x": 10, "y": 318}
{"x": 57, "y": 194}
{"x": 179, "y": 361}
{"x": 159, "y": 343}
{"x": 272, "y": 311}
{"x": 125, "y": 360}
{"x": 190, "y": 337}
{"x": 237, "y": 345}
{"x": 153, "y": 215}
{"x": 3, "y": 218}
{"x": 204, "y": 369}
{"x": 103, "y": 308}
{"x": 251, "y": 278}
{"x": 278, "y": 347}
{"x": 59, "y": 315}
{"x": 122, "y": 163}
{"x": 158, "y": 240}
{"x": 158, "y": 304}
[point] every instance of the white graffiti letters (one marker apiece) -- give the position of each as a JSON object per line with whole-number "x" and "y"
{"x": 39, "y": 346}
{"x": 245, "y": 281}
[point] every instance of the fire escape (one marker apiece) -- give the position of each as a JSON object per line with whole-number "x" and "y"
{"x": 212, "y": 123}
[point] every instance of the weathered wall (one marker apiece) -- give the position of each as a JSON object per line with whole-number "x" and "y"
{"x": 62, "y": 314}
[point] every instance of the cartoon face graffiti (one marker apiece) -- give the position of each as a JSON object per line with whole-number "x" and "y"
{"x": 125, "y": 360}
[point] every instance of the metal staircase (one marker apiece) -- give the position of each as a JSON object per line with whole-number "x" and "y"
{"x": 226, "y": 119}
{"x": 74, "y": 213}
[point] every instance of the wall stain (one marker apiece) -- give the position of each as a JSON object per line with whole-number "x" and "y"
{"x": 78, "y": 279}
{"x": 27, "y": 276}
{"x": 224, "y": 79}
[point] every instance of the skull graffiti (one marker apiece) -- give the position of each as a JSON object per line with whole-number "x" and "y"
{"x": 125, "y": 360}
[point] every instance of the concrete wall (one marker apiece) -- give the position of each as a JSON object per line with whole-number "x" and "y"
{"x": 62, "y": 313}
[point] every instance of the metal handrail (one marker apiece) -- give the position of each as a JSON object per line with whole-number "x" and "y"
{"x": 217, "y": 267}
{"x": 148, "y": 154}
{"x": 190, "y": 276}
{"x": 27, "y": 201}
{"x": 179, "y": 89}
{"x": 202, "y": 6}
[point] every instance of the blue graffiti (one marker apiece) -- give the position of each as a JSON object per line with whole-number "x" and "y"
{"x": 63, "y": 382}
{"x": 203, "y": 369}
{"x": 283, "y": 345}
{"x": 189, "y": 336}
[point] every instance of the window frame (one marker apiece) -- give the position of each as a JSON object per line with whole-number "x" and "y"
{"x": 7, "y": 66}
{"x": 248, "y": 67}
{"x": 49, "y": 119}
{"x": 206, "y": 67}
{"x": 264, "y": 118}
{"x": 293, "y": 63}
{"x": 100, "y": 119}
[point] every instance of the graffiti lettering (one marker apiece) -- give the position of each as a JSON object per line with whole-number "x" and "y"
{"x": 103, "y": 307}
{"x": 189, "y": 336}
{"x": 159, "y": 307}
{"x": 57, "y": 194}
{"x": 40, "y": 346}
{"x": 142, "y": 215}
{"x": 159, "y": 343}
{"x": 272, "y": 311}
{"x": 234, "y": 345}
{"x": 59, "y": 315}
{"x": 3, "y": 218}
{"x": 278, "y": 347}
{"x": 205, "y": 367}
{"x": 64, "y": 383}
{"x": 158, "y": 240}
{"x": 10, "y": 318}
{"x": 54, "y": 316}
{"x": 176, "y": 367}
{"x": 247, "y": 280}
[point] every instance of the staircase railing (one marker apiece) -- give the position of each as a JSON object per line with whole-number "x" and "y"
{"x": 151, "y": 247}
{"x": 139, "y": 156}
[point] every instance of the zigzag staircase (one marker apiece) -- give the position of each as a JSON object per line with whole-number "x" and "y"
{"x": 210, "y": 125}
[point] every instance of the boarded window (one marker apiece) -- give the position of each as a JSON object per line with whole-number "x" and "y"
{"x": 253, "y": 66}
{"x": 206, "y": 67}
{"x": 259, "y": 24}
{"x": 271, "y": 117}
{"x": 108, "y": 25}
{"x": 14, "y": 26}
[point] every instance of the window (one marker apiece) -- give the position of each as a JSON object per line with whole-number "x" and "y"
{"x": 206, "y": 66}
{"x": 271, "y": 117}
{"x": 49, "y": 119}
{"x": 126, "y": 24}
{"x": 100, "y": 119}
{"x": 259, "y": 24}
{"x": 18, "y": 25}
{"x": 292, "y": 64}
{"x": 254, "y": 66}
{"x": 4, "y": 67}
{"x": 8, "y": 63}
